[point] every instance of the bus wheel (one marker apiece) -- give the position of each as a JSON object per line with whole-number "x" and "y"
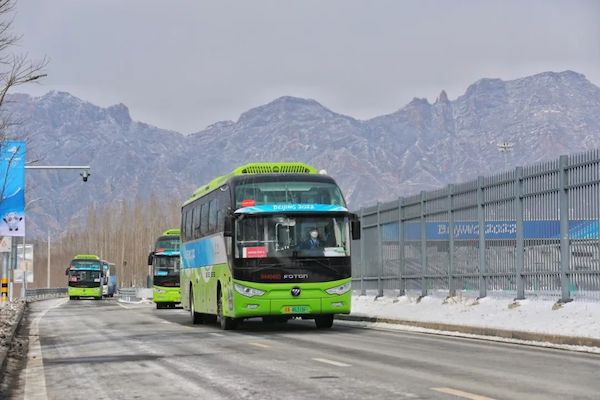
{"x": 196, "y": 317}
{"x": 226, "y": 323}
{"x": 159, "y": 306}
{"x": 71, "y": 297}
{"x": 324, "y": 321}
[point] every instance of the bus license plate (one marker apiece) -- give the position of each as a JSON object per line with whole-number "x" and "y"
{"x": 295, "y": 310}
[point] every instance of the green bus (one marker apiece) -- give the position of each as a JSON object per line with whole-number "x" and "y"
{"x": 164, "y": 260}
{"x": 268, "y": 240}
{"x": 85, "y": 277}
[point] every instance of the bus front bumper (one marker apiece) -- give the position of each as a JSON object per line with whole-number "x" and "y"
{"x": 163, "y": 294}
{"x": 278, "y": 301}
{"x": 84, "y": 292}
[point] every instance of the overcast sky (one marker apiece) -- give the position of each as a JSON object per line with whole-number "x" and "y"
{"x": 183, "y": 65}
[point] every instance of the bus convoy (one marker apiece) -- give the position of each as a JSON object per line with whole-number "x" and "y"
{"x": 268, "y": 240}
{"x": 89, "y": 276}
{"x": 85, "y": 277}
{"x": 164, "y": 260}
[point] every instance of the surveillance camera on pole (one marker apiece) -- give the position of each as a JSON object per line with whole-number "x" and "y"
{"x": 85, "y": 174}
{"x": 85, "y": 169}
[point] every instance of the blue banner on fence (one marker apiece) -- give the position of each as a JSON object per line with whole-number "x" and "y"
{"x": 493, "y": 230}
{"x": 12, "y": 188}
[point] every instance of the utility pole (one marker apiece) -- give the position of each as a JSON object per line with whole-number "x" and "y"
{"x": 505, "y": 148}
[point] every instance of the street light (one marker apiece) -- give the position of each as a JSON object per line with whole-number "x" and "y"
{"x": 24, "y": 283}
{"x": 505, "y": 148}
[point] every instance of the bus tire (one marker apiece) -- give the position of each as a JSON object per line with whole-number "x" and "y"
{"x": 195, "y": 317}
{"x": 324, "y": 321}
{"x": 159, "y": 306}
{"x": 226, "y": 323}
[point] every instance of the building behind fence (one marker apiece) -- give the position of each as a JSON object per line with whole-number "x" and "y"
{"x": 534, "y": 230}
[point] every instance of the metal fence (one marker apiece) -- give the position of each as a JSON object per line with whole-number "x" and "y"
{"x": 533, "y": 230}
{"x": 40, "y": 294}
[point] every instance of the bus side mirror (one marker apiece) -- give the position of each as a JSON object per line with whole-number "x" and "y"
{"x": 150, "y": 258}
{"x": 355, "y": 225}
{"x": 228, "y": 226}
{"x": 67, "y": 271}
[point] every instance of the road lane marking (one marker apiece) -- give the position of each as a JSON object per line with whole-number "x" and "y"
{"x": 35, "y": 378}
{"x": 216, "y": 334}
{"x": 331, "y": 362}
{"x": 256, "y": 344}
{"x": 127, "y": 308}
{"x": 460, "y": 393}
{"x": 166, "y": 322}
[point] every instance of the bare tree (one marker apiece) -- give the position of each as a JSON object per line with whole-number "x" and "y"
{"x": 15, "y": 69}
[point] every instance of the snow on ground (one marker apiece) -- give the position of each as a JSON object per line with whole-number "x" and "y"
{"x": 581, "y": 319}
{"x": 8, "y": 316}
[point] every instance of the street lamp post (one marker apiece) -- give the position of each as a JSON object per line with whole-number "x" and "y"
{"x": 85, "y": 174}
{"x": 505, "y": 148}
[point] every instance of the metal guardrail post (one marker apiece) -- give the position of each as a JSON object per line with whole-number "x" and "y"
{"x": 363, "y": 291}
{"x": 451, "y": 288}
{"x": 402, "y": 261}
{"x": 379, "y": 252}
{"x": 423, "y": 247}
{"x": 520, "y": 238}
{"x": 564, "y": 228}
{"x": 481, "y": 221}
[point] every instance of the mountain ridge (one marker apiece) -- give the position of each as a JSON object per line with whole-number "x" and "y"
{"x": 420, "y": 146}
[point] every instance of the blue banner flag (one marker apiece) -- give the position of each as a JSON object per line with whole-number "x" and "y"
{"x": 12, "y": 188}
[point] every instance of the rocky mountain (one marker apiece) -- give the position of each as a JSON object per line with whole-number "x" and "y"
{"x": 419, "y": 147}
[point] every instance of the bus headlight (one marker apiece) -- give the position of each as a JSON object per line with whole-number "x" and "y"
{"x": 247, "y": 291}
{"x": 339, "y": 290}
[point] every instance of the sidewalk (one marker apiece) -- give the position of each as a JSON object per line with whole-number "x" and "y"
{"x": 540, "y": 320}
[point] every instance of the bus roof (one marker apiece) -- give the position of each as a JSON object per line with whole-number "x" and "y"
{"x": 172, "y": 232}
{"x": 254, "y": 168}
{"x": 87, "y": 257}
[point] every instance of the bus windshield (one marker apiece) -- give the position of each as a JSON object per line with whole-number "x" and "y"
{"x": 287, "y": 236}
{"x": 84, "y": 278}
{"x": 166, "y": 266}
{"x": 168, "y": 243}
{"x": 288, "y": 193}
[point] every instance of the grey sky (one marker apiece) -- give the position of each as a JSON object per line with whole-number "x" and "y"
{"x": 183, "y": 65}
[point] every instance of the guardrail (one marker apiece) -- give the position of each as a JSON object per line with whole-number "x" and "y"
{"x": 128, "y": 294}
{"x": 40, "y": 294}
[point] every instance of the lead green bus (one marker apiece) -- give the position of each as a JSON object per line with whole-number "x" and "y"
{"x": 247, "y": 249}
{"x": 85, "y": 277}
{"x": 164, "y": 260}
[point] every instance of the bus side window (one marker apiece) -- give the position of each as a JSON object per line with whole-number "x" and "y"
{"x": 204, "y": 219}
{"x": 197, "y": 221}
{"x": 212, "y": 215}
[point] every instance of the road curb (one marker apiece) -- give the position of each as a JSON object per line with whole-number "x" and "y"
{"x": 11, "y": 335}
{"x": 475, "y": 330}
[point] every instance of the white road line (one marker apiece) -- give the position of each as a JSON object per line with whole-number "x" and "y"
{"x": 331, "y": 362}
{"x": 35, "y": 379}
{"x": 166, "y": 322}
{"x": 256, "y": 344}
{"x": 127, "y": 308}
{"x": 460, "y": 393}
{"x": 216, "y": 334}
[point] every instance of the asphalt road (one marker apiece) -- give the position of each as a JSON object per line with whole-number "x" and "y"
{"x": 107, "y": 350}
